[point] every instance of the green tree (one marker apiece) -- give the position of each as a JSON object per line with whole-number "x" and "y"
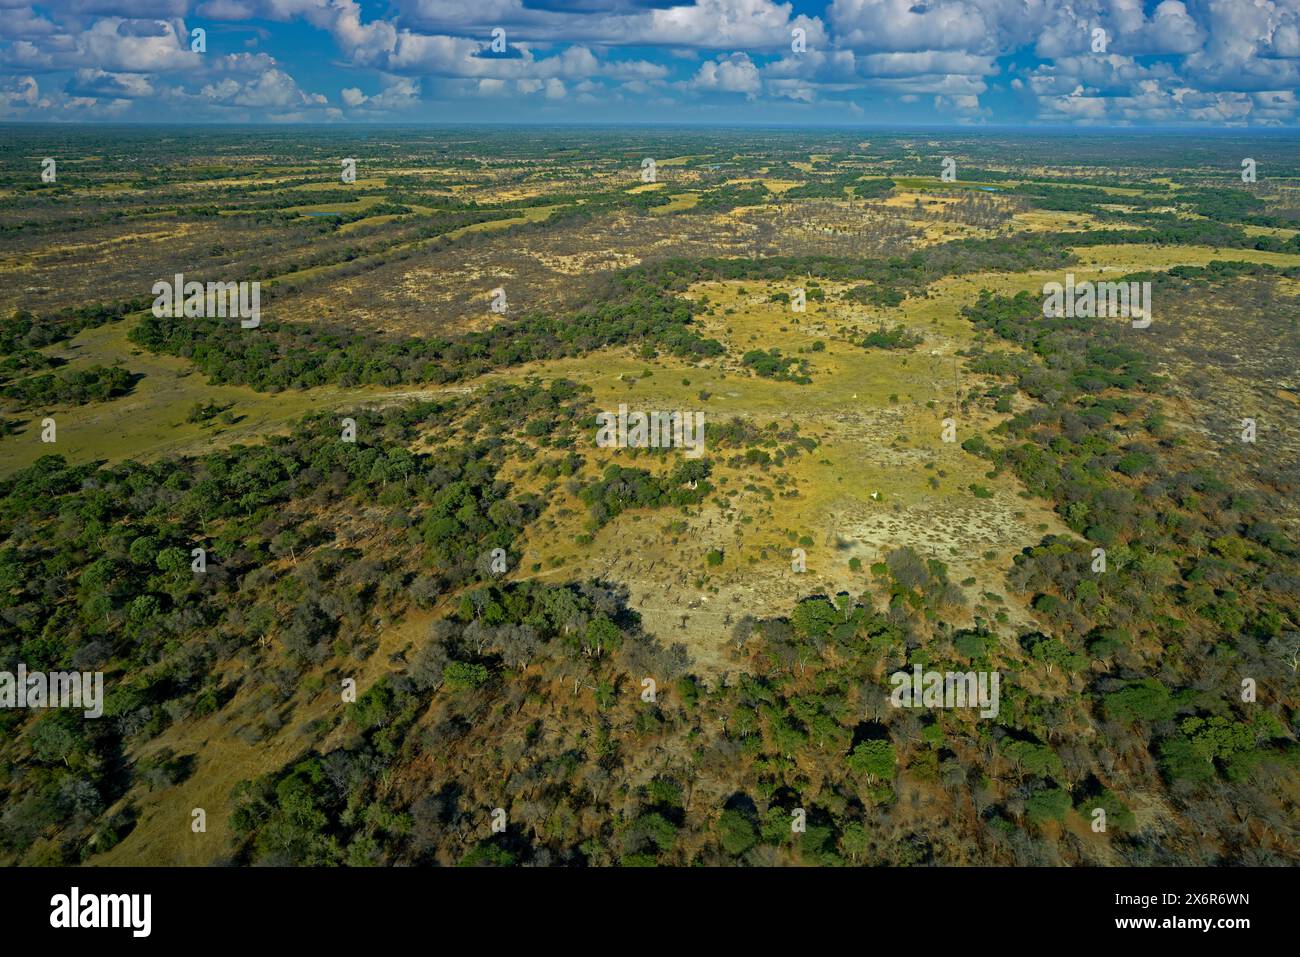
{"x": 736, "y": 832}
{"x": 874, "y": 759}
{"x": 1047, "y": 805}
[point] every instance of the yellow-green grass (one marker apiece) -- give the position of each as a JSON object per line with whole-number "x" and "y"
{"x": 332, "y": 181}
{"x": 773, "y": 185}
{"x": 370, "y": 221}
{"x": 163, "y": 835}
{"x": 946, "y": 297}
{"x": 354, "y": 206}
{"x": 1135, "y": 257}
{"x": 150, "y": 421}
{"x": 778, "y": 186}
{"x": 1057, "y": 221}
{"x": 1112, "y": 190}
{"x": 934, "y": 182}
{"x": 112, "y": 186}
{"x": 926, "y": 183}
{"x": 679, "y": 202}
{"x": 870, "y": 409}
{"x": 1280, "y": 232}
{"x": 266, "y": 178}
{"x": 529, "y": 214}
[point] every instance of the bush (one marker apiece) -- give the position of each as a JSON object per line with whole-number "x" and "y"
{"x": 462, "y": 675}
{"x": 1049, "y": 805}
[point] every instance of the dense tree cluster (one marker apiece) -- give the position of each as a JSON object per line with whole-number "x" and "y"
{"x": 770, "y": 364}
{"x": 245, "y": 585}
{"x": 279, "y": 355}
{"x": 76, "y": 387}
{"x": 98, "y": 573}
{"x": 896, "y": 337}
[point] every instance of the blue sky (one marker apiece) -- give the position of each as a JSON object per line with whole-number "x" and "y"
{"x": 1200, "y": 63}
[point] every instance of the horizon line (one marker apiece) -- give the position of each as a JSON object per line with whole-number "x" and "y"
{"x": 674, "y": 125}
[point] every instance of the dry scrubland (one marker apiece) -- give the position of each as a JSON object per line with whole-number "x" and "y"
{"x": 554, "y": 233}
{"x": 876, "y": 413}
{"x": 877, "y": 416}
